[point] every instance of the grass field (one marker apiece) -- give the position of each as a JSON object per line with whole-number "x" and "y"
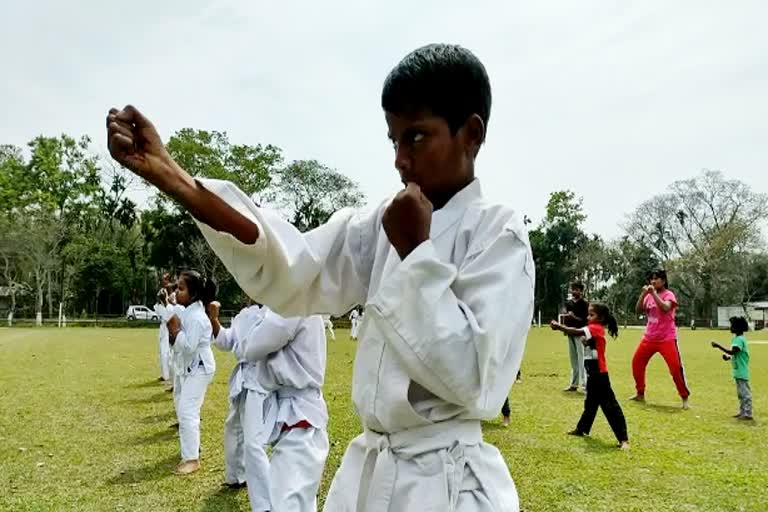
{"x": 84, "y": 427}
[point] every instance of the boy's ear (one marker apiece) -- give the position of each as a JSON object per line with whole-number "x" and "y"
{"x": 474, "y": 133}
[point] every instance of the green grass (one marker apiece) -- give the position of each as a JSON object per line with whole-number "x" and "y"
{"x": 84, "y": 426}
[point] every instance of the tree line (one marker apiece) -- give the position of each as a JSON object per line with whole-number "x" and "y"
{"x": 72, "y": 236}
{"x": 706, "y": 231}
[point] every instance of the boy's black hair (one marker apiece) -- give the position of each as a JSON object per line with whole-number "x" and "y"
{"x": 661, "y": 274}
{"x": 577, "y": 285}
{"x": 200, "y": 288}
{"x": 443, "y": 79}
{"x": 739, "y": 325}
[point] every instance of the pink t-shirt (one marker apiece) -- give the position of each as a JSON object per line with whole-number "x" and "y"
{"x": 661, "y": 325}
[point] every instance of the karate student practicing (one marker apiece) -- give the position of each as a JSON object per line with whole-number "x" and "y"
{"x": 164, "y": 350}
{"x": 328, "y": 324}
{"x": 278, "y": 401}
{"x": 190, "y": 334}
{"x": 445, "y": 275}
{"x": 353, "y": 320}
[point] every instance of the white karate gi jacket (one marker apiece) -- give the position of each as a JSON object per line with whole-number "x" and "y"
{"x": 244, "y": 374}
{"x": 192, "y": 349}
{"x": 441, "y": 342}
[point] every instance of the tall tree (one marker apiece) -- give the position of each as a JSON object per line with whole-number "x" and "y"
{"x": 212, "y": 155}
{"x": 310, "y": 192}
{"x": 556, "y": 244}
{"x": 701, "y": 228}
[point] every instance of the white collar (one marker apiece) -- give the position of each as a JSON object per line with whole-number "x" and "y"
{"x": 444, "y": 218}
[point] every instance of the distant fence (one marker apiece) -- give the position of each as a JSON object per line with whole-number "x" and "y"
{"x": 122, "y": 322}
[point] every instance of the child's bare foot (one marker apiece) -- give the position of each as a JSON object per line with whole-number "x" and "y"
{"x": 686, "y": 405}
{"x": 746, "y": 418}
{"x": 187, "y": 467}
{"x": 736, "y": 415}
{"x": 624, "y": 445}
{"x": 576, "y": 432}
{"x": 505, "y": 421}
{"x": 637, "y": 398}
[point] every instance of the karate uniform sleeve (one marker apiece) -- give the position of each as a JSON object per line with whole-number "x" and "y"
{"x": 188, "y": 339}
{"x": 326, "y": 270}
{"x": 160, "y": 310}
{"x": 272, "y": 334}
{"x": 225, "y": 340}
{"x": 460, "y": 333}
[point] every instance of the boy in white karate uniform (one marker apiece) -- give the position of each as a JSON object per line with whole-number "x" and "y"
{"x": 328, "y": 324}
{"x": 446, "y": 278}
{"x": 246, "y": 432}
{"x": 164, "y": 349}
{"x": 278, "y": 401}
{"x": 353, "y": 320}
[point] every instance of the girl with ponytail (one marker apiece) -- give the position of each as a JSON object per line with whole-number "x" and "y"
{"x": 190, "y": 335}
{"x": 599, "y": 392}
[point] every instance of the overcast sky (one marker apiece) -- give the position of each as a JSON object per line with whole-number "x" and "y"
{"x": 611, "y": 99}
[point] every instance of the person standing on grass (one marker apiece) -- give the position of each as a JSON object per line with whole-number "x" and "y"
{"x": 243, "y": 426}
{"x": 576, "y": 318}
{"x": 506, "y": 411}
{"x": 164, "y": 350}
{"x": 276, "y": 399}
{"x": 600, "y": 395}
{"x": 739, "y": 357}
{"x": 328, "y": 324}
{"x": 190, "y": 334}
{"x": 354, "y": 316}
{"x": 659, "y": 304}
{"x": 446, "y": 276}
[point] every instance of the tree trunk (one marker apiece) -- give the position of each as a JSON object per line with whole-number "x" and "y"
{"x": 50, "y": 294}
{"x": 39, "y": 308}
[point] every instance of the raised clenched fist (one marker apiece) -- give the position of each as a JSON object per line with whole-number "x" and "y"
{"x": 407, "y": 220}
{"x": 213, "y": 310}
{"x": 134, "y": 142}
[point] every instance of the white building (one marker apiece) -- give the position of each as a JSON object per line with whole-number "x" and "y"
{"x": 756, "y": 314}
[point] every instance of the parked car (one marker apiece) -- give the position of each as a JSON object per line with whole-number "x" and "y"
{"x": 141, "y": 313}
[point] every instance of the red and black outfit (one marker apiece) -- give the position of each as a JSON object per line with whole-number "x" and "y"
{"x": 599, "y": 392}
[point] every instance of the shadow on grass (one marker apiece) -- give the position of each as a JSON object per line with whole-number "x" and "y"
{"x": 574, "y": 394}
{"x": 155, "y": 471}
{"x": 148, "y": 384}
{"x": 157, "y": 397}
{"x": 158, "y": 437}
{"x": 669, "y": 409}
{"x": 159, "y": 418}
{"x": 599, "y": 445}
{"x": 224, "y": 500}
{"x": 488, "y": 426}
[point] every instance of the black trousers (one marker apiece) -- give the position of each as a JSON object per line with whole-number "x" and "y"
{"x": 600, "y": 395}
{"x": 505, "y": 410}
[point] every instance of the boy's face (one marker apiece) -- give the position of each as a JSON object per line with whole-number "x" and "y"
{"x": 426, "y": 153}
{"x": 575, "y": 293}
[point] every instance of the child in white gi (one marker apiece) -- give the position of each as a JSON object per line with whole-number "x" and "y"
{"x": 353, "y": 320}
{"x": 281, "y": 370}
{"x": 445, "y": 275}
{"x": 190, "y": 334}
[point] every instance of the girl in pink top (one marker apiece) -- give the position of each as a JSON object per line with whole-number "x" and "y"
{"x": 659, "y": 304}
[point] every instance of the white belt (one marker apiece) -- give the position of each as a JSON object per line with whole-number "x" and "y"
{"x": 377, "y": 481}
